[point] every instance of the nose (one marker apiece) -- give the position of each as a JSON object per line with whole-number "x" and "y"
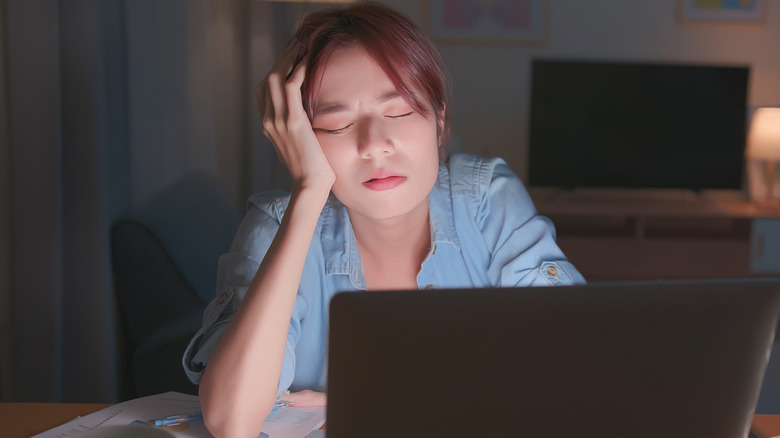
{"x": 374, "y": 140}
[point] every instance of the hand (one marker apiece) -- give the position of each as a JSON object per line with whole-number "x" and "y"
{"x": 287, "y": 125}
{"x": 306, "y": 399}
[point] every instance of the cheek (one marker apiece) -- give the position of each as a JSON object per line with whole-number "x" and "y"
{"x": 331, "y": 146}
{"x": 336, "y": 150}
{"x": 425, "y": 136}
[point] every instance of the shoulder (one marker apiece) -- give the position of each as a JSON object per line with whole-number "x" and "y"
{"x": 472, "y": 171}
{"x": 263, "y": 216}
{"x": 481, "y": 176}
{"x": 487, "y": 190}
{"x": 271, "y": 203}
{"x": 265, "y": 211}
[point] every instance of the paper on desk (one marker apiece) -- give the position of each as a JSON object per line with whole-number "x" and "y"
{"x": 287, "y": 422}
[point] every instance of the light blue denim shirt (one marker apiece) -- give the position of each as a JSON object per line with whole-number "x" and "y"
{"x": 485, "y": 231}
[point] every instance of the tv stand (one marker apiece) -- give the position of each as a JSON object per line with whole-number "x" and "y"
{"x": 633, "y": 234}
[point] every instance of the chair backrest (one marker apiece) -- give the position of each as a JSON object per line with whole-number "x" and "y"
{"x": 195, "y": 223}
{"x": 164, "y": 259}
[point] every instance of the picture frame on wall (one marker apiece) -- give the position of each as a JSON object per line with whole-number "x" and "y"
{"x": 522, "y": 22}
{"x": 723, "y": 11}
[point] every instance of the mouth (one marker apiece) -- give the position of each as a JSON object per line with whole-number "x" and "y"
{"x": 383, "y": 180}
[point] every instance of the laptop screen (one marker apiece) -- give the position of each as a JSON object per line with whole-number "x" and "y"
{"x": 640, "y": 359}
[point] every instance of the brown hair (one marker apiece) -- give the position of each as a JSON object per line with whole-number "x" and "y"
{"x": 393, "y": 41}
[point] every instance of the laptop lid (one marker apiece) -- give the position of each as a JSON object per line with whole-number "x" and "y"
{"x": 671, "y": 359}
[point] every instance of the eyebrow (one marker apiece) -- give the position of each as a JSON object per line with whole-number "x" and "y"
{"x": 334, "y": 107}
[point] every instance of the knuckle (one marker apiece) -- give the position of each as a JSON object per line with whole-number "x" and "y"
{"x": 269, "y": 124}
{"x": 273, "y": 78}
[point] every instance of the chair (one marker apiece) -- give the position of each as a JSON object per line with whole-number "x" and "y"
{"x": 164, "y": 260}
{"x": 769, "y": 398}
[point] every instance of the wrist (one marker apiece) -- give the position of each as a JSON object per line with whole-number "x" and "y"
{"x": 310, "y": 195}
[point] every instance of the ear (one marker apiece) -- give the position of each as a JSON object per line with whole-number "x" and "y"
{"x": 440, "y": 117}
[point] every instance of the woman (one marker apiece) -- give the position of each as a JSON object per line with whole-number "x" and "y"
{"x": 356, "y": 108}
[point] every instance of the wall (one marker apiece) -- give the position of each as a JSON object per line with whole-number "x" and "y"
{"x": 491, "y": 82}
{"x": 32, "y": 102}
{"x": 186, "y": 81}
{"x": 6, "y": 346}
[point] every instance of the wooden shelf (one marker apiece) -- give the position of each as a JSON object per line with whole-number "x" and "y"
{"x": 654, "y": 234}
{"x": 651, "y": 203}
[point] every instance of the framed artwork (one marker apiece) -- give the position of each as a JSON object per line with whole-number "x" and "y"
{"x": 723, "y": 11}
{"x": 487, "y": 21}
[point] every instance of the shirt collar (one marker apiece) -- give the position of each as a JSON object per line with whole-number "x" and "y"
{"x": 339, "y": 246}
{"x": 340, "y": 252}
{"x": 441, "y": 212}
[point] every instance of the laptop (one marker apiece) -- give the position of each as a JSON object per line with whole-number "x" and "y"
{"x": 647, "y": 359}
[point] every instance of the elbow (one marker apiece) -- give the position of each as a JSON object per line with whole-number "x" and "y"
{"x": 233, "y": 420}
{"x": 229, "y": 429}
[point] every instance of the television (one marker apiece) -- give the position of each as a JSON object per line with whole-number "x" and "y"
{"x": 600, "y": 124}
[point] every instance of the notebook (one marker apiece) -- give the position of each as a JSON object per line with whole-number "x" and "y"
{"x": 655, "y": 359}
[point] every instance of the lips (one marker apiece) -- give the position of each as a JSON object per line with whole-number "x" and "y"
{"x": 383, "y": 180}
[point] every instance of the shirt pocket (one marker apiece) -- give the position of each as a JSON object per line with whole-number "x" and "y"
{"x": 554, "y": 274}
{"x": 216, "y": 308}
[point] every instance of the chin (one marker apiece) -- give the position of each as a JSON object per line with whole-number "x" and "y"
{"x": 384, "y": 212}
{"x": 384, "y": 209}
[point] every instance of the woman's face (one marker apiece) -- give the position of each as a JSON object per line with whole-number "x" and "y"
{"x": 384, "y": 153}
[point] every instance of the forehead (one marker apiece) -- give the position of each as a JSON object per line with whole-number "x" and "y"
{"x": 350, "y": 74}
{"x": 350, "y": 69}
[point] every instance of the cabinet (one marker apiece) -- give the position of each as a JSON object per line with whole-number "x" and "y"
{"x": 613, "y": 235}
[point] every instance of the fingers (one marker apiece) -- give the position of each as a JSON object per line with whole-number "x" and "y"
{"x": 293, "y": 86}
{"x": 297, "y": 73}
{"x": 287, "y": 125}
{"x": 279, "y": 96}
{"x": 286, "y": 59}
{"x": 282, "y": 69}
{"x": 267, "y": 109}
{"x": 276, "y": 102}
{"x": 285, "y": 90}
{"x": 307, "y": 399}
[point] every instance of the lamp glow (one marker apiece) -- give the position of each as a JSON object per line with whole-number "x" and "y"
{"x": 763, "y": 154}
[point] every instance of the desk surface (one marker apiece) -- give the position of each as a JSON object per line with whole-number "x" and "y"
{"x": 22, "y": 420}
{"x": 766, "y": 426}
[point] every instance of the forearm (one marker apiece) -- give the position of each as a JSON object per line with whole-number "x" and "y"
{"x": 240, "y": 382}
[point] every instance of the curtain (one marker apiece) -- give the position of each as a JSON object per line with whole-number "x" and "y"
{"x": 6, "y": 346}
{"x": 105, "y": 103}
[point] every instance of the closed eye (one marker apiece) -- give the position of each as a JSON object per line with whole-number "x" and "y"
{"x": 335, "y": 131}
{"x": 400, "y": 115}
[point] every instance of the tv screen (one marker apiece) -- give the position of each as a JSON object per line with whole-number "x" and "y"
{"x": 637, "y": 125}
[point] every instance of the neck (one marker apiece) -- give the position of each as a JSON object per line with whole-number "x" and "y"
{"x": 394, "y": 238}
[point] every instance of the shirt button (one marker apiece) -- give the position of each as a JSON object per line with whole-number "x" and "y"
{"x": 222, "y": 298}
{"x": 552, "y": 271}
{"x": 430, "y": 286}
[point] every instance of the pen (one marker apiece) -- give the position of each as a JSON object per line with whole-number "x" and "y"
{"x": 178, "y": 419}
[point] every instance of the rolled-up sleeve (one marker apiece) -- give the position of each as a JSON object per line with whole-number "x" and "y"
{"x": 236, "y": 270}
{"x": 524, "y": 251}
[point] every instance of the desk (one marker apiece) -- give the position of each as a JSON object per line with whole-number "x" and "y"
{"x": 766, "y": 426}
{"x": 22, "y": 420}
